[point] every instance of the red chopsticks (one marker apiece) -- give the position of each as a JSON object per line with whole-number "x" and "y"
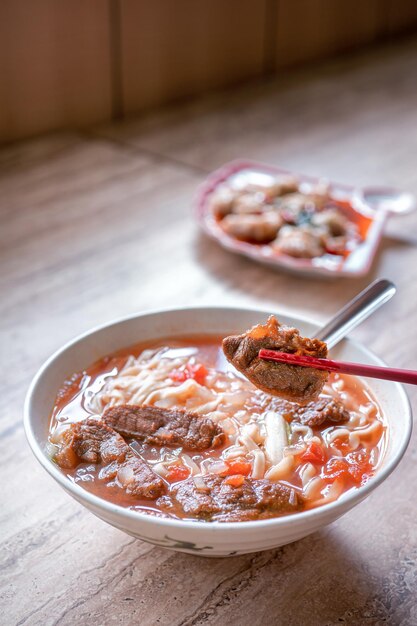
{"x": 371, "y": 371}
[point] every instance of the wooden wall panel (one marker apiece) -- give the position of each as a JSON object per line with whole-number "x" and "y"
{"x": 71, "y": 63}
{"x": 398, "y": 16}
{"x": 171, "y": 50}
{"x": 307, "y": 30}
{"x": 55, "y": 68}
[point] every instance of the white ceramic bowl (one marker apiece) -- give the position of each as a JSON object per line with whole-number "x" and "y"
{"x": 207, "y": 539}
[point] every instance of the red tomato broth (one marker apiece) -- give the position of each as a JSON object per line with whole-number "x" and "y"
{"x": 205, "y": 354}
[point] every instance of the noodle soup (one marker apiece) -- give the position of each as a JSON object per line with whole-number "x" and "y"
{"x": 271, "y": 457}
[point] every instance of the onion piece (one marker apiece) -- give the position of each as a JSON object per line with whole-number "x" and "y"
{"x": 58, "y": 436}
{"x": 228, "y": 425}
{"x": 293, "y": 497}
{"x": 307, "y": 472}
{"x": 252, "y": 430}
{"x": 160, "y": 469}
{"x": 248, "y": 442}
{"x": 258, "y": 469}
{"x": 234, "y": 451}
{"x": 295, "y": 450}
{"x": 125, "y": 475}
{"x": 312, "y": 490}
{"x": 217, "y": 467}
{"x": 192, "y": 465}
{"x": 334, "y": 490}
{"x": 276, "y": 437}
{"x": 199, "y": 483}
{"x": 305, "y": 431}
{"x": 208, "y": 407}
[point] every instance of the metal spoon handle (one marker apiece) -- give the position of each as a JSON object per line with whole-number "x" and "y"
{"x": 356, "y": 311}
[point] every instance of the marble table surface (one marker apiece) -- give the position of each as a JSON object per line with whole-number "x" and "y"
{"x": 97, "y": 224}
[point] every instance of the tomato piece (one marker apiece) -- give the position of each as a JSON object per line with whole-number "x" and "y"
{"x": 360, "y": 467}
{"x": 314, "y": 453}
{"x": 176, "y": 473}
{"x": 236, "y": 480}
{"x": 239, "y": 467}
{"x": 178, "y": 375}
{"x": 335, "y": 468}
{"x": 195, "y": 371}
{"x": 198, "y": 372}
{"x": 359, "y": 457}
{"x": 341, "y": 443}
{"x": 356, "y": 467}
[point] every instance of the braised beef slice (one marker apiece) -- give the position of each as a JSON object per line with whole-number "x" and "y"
{"x": 320, "y": 411}
{"x": 224, "y": 502}
{"x": 139, "y": 480}
{"x": 165, "y": 427}
{"x": 248, "y": 515}
{"x": 92, "y": 441}
{"x": 291, "y": 382}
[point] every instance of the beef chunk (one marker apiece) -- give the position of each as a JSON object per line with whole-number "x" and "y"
{"x": 92, "y": 441}
{"x": 248, "y": 515}
{"x": 165, "y": 427}
{"x": 196, "y": 501}
{"x": 139, "y": 480}
{"x": 320, "y": 411}
{"x": 220, "y": 501}
{"x": 297, "y": 384}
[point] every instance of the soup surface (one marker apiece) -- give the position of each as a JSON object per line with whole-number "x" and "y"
{"x": 273, "y": 457}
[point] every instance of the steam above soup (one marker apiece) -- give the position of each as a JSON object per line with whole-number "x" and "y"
{"x": 175, "y": 430}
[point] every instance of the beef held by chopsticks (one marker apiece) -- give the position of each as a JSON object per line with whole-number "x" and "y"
{"x": 297, "y": 384}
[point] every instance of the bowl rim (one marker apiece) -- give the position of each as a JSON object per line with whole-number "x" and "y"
{"x": 351, "y": 498}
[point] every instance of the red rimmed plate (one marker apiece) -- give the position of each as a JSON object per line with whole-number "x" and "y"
{"x": 368, "y": 208}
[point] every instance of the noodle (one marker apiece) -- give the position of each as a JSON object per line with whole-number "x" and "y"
{"x": 259, "y": 440}
{"x": 248, "y": 442}
{"x": 281, "y": 470}
{"x": 307, "y": 472}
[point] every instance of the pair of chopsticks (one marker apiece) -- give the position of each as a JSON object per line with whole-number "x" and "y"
{"x": 370, "y": 371}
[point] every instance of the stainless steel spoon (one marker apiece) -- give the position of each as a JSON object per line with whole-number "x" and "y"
{"x": 387, "y": 200}
{"x": 356, "y": 311}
